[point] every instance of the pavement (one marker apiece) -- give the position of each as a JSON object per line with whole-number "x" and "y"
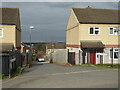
{"x": 47, "y": 75}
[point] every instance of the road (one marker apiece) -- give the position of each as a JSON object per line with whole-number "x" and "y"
{"x": 46, "y": 75}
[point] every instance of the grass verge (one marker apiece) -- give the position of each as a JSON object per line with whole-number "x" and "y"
{"x": 109, "y": 66}
{"x": 103, "y": 66}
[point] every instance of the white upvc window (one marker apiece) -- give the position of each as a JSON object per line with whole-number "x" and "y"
{"x": 1, "y": 32}
{"x": 94, "y": 30}
{"x": 114, "y": 31}
{"x": 114, "y": 54}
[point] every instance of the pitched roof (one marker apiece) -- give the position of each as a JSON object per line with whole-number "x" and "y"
{"x": 10, "y": 16}
{"x": 92, "y": 44}
{"x": 97, "y": 16}
{"x": 56, "y": 45}
{"x": 6, "y": 47}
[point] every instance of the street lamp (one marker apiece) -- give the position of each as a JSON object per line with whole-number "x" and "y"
{"x": 30, "y": 57}
{"x": 31, "y": 27}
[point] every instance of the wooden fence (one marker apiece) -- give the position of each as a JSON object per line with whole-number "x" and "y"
{"x": 10, "y": 61}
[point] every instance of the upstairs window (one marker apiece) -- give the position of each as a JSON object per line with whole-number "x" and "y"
{"x": 1, "y": 32}
{"x": 94, "y": 31}
{"x": 114, "y": 31}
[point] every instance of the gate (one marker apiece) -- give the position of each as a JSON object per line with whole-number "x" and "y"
{"x": 71, "y": 58}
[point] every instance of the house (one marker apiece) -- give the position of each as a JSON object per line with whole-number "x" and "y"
{"x": 52, "y": 47}
{"x": 10, "y": 40}
{"x": 56, "y": 52}
{"x": 10, "y": 29}
{"x": 92, "y": 36}
{"x": 25, "y": 55}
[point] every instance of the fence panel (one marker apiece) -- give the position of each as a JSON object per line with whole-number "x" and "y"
{"x": 10, "y": 61}
{"x": 5, "y": 63}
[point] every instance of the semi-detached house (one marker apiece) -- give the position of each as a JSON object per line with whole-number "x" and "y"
{"x": 92, "y": 36}
{"x": 10, "y": 28}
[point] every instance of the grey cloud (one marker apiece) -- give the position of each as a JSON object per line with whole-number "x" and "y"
{"x": 60, "y": 4}
{"x": 49, "y": 19}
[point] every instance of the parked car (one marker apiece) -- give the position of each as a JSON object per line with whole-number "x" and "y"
{"x": 34, "y": 54}
{"x": 41, "y": 59}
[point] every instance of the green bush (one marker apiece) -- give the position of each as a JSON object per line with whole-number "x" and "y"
{"x": 17, "y": 72}
{"x": 33, "y": 57}
{"x": 2, "y": 76}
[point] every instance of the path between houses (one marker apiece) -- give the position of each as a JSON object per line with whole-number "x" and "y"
{"x": 45, "y": 75}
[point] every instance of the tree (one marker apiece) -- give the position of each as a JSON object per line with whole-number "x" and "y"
{"x": 40, "y": 47}
{"x": 40, "y": 54}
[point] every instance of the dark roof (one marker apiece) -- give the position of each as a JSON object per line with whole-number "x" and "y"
{"x": 6, "y": 47}
{"x": 25, "y": 45}
{"x": 10, "y": 16}
{"x": 56, "y": 45}
{"x": 97, "y": 16}
{"x": 92, "y": 44}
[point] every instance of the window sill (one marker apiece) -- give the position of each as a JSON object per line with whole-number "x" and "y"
{"x": 94, "y": 34}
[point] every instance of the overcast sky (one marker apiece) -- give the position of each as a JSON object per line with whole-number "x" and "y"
{"x": 49, "y": 18}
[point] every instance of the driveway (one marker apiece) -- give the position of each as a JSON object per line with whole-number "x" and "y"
{"x": 46, "y": 75}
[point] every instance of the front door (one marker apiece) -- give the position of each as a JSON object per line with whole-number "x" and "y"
{"x": 93, "y": 58}
{"x": 71, "y": 58}
{"x": 83, "y": 55}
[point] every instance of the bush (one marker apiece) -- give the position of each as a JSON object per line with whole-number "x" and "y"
{"x": 2, "y": 76}
{"x": 17, "y": 72}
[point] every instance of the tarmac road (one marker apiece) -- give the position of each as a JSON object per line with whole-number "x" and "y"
{"x": 46, "y": 75}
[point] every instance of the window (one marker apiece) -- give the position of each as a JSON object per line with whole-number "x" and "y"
{"x": 94, "y": 30}
{"x": 114, "y": 31}
{"x": 91, "y": 30}
{"x": 114, "y": 53}
{"x": 111, "y": 31}
{"x": 1, "y": 32}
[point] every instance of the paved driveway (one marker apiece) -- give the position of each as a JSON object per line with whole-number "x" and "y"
{"x": 56, "y": 76}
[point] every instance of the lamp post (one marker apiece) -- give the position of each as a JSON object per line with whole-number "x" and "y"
{"x": 30, "y": 57}
{"x": 31, "y": 27}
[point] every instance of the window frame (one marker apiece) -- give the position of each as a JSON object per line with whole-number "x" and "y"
{"x": 118, "y": 34}
{"x": 2, "y": 32}
{"x": 113, "y": 54}
{"x": 94, "y": 30}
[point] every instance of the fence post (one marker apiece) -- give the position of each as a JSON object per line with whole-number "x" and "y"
{"x": 9, "y": 66}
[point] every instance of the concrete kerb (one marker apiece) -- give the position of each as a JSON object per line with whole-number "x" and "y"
{"x": 63, "y": 64}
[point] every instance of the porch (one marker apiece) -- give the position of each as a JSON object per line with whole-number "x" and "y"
{"x": 92, "y": 52}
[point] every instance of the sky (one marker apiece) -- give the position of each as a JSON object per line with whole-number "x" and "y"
{"x": 49, "y": 18}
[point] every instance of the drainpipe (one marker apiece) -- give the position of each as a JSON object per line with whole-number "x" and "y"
{"x": 79, "y": 57}
{"x": 112, "y": 58}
